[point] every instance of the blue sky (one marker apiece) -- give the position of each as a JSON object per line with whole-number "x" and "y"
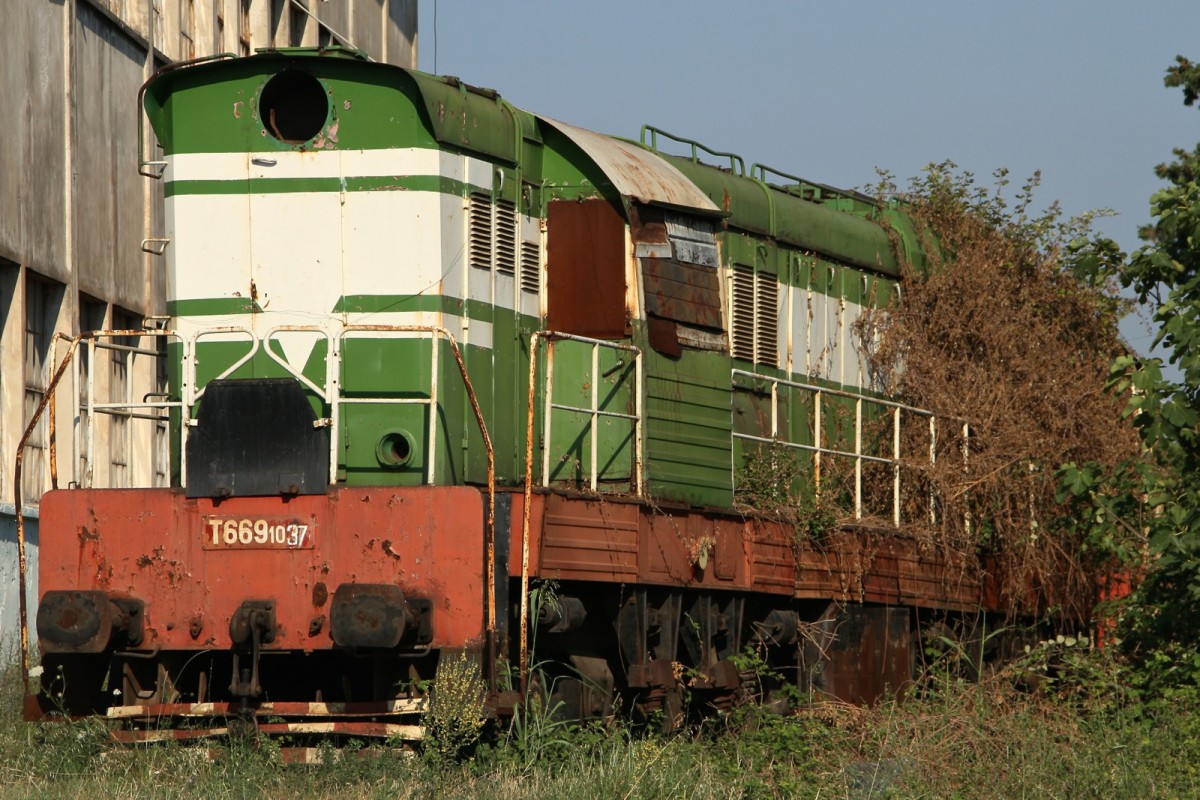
{"x": 831, "y": 91}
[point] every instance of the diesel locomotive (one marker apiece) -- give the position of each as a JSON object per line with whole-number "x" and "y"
{"x": 445, "y": 378}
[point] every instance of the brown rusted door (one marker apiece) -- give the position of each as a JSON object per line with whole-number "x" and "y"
{"x": 585, "y": 269}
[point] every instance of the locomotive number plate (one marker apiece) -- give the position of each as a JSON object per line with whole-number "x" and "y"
{"x": 244, "y": 533}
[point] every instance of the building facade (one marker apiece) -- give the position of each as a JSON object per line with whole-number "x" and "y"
{"x": 81, "y": 224}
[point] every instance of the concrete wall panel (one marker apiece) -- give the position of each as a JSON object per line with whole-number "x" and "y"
{"x": 402, "y": 33}
{"x": 10, "y": 598}
{"x": 72, "y": 205}
{"x": 335, "y": 14}
{"x": 365, "y": 26}
{"x": 109, "y": 204}
{"x": 32, "y": 178}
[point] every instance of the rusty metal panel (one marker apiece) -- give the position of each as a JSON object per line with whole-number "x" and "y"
{"x": 32, "y": 152}
{"x": 678, "y": 258}
{"x": 729, "y": 553}
{"x": 682, "y": 292}
{"x": 636, "y": 172}
{"x": 669, "y": 549}
{"x": 516, "y": 517}
{"x": 772, "y": 557}
{"x": 692, "y": 549}
{"x": 677, "y": 548}
{"x": 108, "y": 203}
{"x": 585, "y": 269}
{"x": 157, "y": 546}
{"x": 589, "y": 540}
{"x": 865, "y": 653}
{"x": 862, "y": 567}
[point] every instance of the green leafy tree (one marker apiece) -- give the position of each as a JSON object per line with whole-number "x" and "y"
{"x": 1157, "y": 501}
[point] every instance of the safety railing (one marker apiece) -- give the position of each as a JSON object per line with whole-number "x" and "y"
{"x": 331, "y": 393}
{"x": 48, "y": 406}
{"x": 189, "y": 393}
{"x": 139, "y": 365}
{"x": 650, "y": 135}
{"x": 821, "y": 449}
{"x": 593, "y": 410}
{"x": 436, "y": 335}
{"x": 549, "y": 406}
{"x": 155, "y": 406}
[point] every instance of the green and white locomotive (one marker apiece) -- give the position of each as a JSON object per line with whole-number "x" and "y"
{"x": 426, "y": 351}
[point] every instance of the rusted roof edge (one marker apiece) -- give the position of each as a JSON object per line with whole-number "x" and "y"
{"x": 636, "y": 172}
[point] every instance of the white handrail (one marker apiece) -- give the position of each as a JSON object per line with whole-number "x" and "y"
{"x": 88, "y": 408}
{"x": 770, "y": 385}
{"x": 435, "y": 333}
{"x": 593, "y": 410}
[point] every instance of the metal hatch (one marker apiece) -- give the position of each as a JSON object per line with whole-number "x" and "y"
{"x": 636, "y": 172}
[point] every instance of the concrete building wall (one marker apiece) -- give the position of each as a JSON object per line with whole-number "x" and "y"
{"x": 74, "y": 212}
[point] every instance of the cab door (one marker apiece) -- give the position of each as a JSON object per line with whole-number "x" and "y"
{"x": 591, "y": 385}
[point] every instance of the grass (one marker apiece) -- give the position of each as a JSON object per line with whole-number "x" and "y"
{"x": 949, "y": 739}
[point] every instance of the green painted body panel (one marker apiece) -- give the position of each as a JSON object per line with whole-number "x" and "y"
{"x": 469, "y": 118}
{"x": 758, "y": 208}
{"x": 688, "y": 428}
{"x": 213, "y": 358}
{"x": 372, "y": 370}
{"x": 911, "y": 240}
{"x": 390, "y": 183}
{"x": 371, "y": 106}
{"x": 807, "y": 271}
{"x": 214, "y": 306}
{"x": 213, "y": 107}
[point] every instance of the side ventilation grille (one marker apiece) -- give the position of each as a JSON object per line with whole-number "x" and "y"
{"x": 479, "y": 235}
{"x": 506, "y": 237}
{"x": 766, "y": 311}
{"x": 755, "y": 329}
{"x": 531, "y": 267}
{"x": 742, "y": 329}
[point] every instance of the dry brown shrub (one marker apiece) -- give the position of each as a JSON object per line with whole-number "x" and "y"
{"x": 999, "y": 332}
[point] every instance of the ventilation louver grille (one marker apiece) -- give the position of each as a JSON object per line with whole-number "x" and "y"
{"x": 531, "y": 267}
{"x": 766, "y": 323}
{"x": 742, "y": 329}
{"x": 506, "y": 237}
{"x": 480, "y": 232}
{"x": 755, "y": 329}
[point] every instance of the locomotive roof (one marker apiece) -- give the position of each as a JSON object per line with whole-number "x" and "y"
{"x": 636, "y": 172}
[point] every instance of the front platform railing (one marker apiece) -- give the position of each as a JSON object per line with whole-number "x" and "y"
{"x": 156, "y": 406}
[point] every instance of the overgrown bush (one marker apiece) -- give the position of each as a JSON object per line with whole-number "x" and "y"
{"x": 454, "y": 720}
{"x": 1009, "y": 332}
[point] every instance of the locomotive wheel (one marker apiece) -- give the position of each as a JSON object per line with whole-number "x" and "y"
{"x": 663, "y": 706}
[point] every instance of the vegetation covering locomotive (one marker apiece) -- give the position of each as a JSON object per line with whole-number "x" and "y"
{"x": 428, "y": 351}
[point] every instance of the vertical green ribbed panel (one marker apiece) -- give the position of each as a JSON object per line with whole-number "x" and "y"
{"x": 688, "y": 435}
